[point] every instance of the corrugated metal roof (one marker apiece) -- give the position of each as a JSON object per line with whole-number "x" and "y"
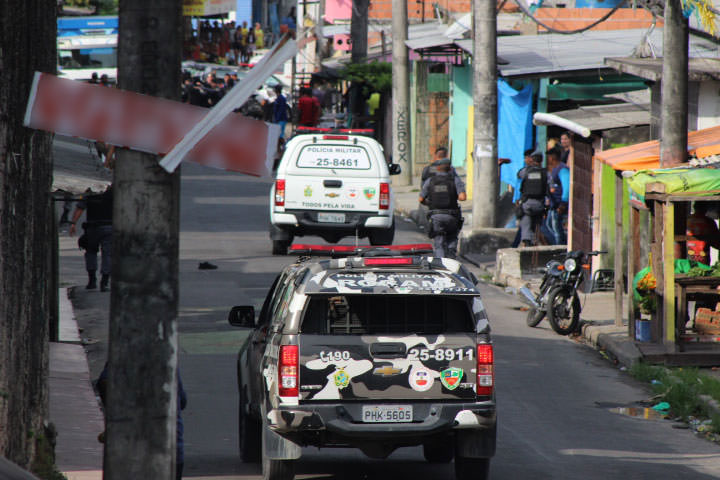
{"x": 605, "y": 117}
{"x": 553, "y": 52}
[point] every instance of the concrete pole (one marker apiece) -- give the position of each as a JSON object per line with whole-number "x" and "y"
{"x": 359, "y": 30}
{"x": 674, "y": 87}
{"x": 485, "y": 169}
{"x": 400, "y": 93}
{"x": 142, "y": 383}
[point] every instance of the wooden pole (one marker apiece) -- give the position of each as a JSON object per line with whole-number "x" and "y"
{"x": 669, "y": 271}
{"x": 619, "y": 290}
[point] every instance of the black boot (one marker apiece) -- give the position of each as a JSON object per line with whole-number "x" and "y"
{"x": 104, "y": 281}
{"x": 92, "y": 283}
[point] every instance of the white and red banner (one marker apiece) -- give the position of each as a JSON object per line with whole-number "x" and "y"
{"x": 148, "y": 124}
{"x": 213, "y": 137}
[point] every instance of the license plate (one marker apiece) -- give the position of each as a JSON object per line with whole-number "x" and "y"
{"x": 331, "y": 217}
{"x": 387, "y": 413}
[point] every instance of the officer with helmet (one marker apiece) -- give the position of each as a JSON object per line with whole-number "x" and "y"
{"x": 441, "y": 193}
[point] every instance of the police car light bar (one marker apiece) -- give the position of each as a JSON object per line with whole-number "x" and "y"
{"x": 348, "y": 131}
{"x": 348, "y": 250}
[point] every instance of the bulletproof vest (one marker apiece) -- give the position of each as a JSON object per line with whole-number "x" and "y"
{"x": 442, "y": 193}
{"x": 100, "y": 207}
{"x": 535, "y": 183}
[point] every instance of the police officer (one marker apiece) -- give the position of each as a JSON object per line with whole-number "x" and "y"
{"x": 441, "y": 193}
{"x": 98, "y": 235}
{"x": 533, "y": 190}
{"x": 441, "y": 153}
{"x": 559, "y": 194}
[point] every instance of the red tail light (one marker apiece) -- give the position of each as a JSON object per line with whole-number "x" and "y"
{"x": 384, "y": 196}
{"x": 485, "y": 373}
{"x": 335, "y": 137}
{"x": 288, "y": 368}
{"x": 280, "y": 193}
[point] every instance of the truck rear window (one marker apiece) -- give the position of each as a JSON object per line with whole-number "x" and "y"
{"x": 348, "y": 157}
{"x": 387, "y": 314}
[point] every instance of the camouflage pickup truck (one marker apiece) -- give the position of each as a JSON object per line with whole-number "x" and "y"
{"x": 375, "y": 352}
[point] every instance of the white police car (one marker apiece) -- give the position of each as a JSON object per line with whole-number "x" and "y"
{"x": 333, "y": 185}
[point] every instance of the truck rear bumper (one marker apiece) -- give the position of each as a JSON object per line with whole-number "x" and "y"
{"x": 346, "y": 420}
{"x": 305, "y": 222}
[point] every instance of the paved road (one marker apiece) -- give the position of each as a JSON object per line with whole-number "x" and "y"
{"x": 554, "y": 395}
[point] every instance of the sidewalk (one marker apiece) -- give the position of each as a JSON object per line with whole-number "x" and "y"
{"x": 74, "y": 408}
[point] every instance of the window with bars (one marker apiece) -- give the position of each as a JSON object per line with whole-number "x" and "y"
{"x": 387, "y": 314}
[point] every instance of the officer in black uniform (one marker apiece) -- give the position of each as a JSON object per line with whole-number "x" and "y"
{"x": 533, "y": 190}
{"x": 98, "y": 234}
{"x": 441, "y": 193}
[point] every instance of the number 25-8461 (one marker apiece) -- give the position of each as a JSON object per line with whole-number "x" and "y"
{"x": 440, "y": 354}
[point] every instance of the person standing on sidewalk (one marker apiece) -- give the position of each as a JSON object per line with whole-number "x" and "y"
{"x": 97, "y": 236}
{"x": 442, "y": 192}
{"x": 533, "y": 190}
{"x": 559, "y": 193}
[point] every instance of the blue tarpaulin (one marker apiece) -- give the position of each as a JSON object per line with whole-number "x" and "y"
{"x": 515, "y": 129}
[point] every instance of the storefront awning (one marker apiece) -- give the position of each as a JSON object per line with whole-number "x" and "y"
{"x": 646, "y": 155}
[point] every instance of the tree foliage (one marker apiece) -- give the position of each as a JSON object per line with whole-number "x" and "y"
{"x": 373, "y": 76}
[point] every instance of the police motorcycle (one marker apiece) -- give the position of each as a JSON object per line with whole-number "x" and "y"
{"x": 558, "y": 298}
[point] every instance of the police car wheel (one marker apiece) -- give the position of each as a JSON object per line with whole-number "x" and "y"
{"x": 382, "y": 237}
{"x": 248, "y": 433}
{"x": 280, "y": 247}
{"x": 472, "y": 468}
{"x": 276, "y": 469}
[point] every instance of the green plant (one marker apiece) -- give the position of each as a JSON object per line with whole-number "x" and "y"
{"x": 374, "y": 76}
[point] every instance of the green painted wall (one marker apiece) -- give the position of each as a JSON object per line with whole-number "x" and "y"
{"x": 460, "y": 100}
{"x": 607, "y": 218}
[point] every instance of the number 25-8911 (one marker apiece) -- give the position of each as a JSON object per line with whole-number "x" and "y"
{"x": 440, "y": 354}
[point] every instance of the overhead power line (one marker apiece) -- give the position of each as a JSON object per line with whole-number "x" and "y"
{"x": 568, "y": 32}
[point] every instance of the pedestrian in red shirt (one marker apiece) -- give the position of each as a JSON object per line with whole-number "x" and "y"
{"x": 309, "y": 108}
{"x": 702, "y": 233}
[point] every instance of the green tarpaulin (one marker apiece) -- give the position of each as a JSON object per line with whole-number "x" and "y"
{"x": 678, "y": 180}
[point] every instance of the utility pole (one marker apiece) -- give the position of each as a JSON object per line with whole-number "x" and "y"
{"x": 359, "y": 30}
{"x": 400, "y": 93}
{"x": 674, "y": 86}
{"x": 142, "y": 382}
{"x": 485, "y": 169}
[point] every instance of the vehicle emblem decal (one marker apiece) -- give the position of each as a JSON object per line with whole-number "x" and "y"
{"x": 341, "y": 379}
{"x": 352, "y": 193}
{"x": 369, "y": 192}
{"x": 308, "y": 191}
{"x": 450, "y": 377}
{"x": 421, "y": 379}
{"x": 332, "y": 195}
{"x": 387, "y": 371}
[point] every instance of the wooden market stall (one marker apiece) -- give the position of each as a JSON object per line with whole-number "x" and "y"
{"x": 673, "y": 341}
{"x": 653, "y": 234}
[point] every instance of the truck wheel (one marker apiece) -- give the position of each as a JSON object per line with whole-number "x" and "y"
{"x": 276, "y": 469}
{"x": 248, "y": 433}
{"x": 472, "y": 468}
{"x": 438, "y": 451}
{"x": 382, "y": 237}
{"x": 280, "y": 247}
